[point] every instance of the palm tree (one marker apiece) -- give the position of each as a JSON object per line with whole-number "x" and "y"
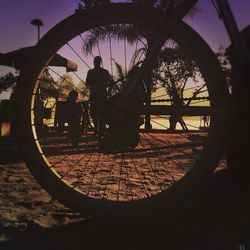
{"x": 126, "y": 32}
{"x": 132, "y": 34}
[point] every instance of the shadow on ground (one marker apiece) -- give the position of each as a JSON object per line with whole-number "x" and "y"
{"x": 217, "y": 218}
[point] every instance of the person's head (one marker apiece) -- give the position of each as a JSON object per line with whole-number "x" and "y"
{"x": 97, "y": 61}
{"x": 72, "y": 96}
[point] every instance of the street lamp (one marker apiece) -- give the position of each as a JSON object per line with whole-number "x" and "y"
{"x": 37, "y": 22}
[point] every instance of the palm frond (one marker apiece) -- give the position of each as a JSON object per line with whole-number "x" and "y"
{"x": 114, "y": 31}
{"x": 136, "y": 57}
{"x": 120, "y": 71}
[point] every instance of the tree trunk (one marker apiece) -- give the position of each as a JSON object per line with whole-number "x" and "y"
{"x": 148, "y": 82}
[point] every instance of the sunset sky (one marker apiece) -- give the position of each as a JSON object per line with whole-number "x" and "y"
{"x": 16, "y": 30}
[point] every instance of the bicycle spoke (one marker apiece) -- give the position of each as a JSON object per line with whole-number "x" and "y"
{"x": 174, "y": 161}
{"x": 94, "y": 173}
{"x": 140, "y": 177}
{"x": 108, "y": 177}
{"x": 119, "y": 178}
{"x": 153, "y": 169}
{"x": 163, "y": 162}
{"x": 81, "y": 172}
{"x": 73, "y": 86}
{"x": 164, "y": 153}
{"x": 129, "y": 182}
{"x": 75, "y": 165}
{"x": 78, "y": 55}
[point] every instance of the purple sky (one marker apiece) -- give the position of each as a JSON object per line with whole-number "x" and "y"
{"x": 16, "y": 30}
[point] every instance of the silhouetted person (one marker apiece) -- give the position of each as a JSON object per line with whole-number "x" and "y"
{"x": 39, "y": 112}
{"x": 98, "y": 79}
{"x": 205, "y": 121}
{"x": 74, "y": 115}
{"x": 60, "y": 119}
{"x": 175, "y": 118}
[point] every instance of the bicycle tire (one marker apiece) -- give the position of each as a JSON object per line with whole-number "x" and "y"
{"x": 31, "y": 150}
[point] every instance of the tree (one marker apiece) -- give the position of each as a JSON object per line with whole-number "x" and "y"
{"x": 7, "y": 81}
{"x": 81, "y": 86}
{"x": 174, "y": 70}
{"x": 47, "y": 85}
{"x": 123, "y": 75}
{"x": 65, "y": 84}
{"x": 225, "y": 64}
{"x": 86, "y": 4}
{"x": 132, "y": 33}
{"x": 128, "y": 32}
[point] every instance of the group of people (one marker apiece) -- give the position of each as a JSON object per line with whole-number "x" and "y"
{"x": 98, "y": 80}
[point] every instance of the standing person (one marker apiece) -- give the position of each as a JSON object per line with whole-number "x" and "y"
{"x": 39, "y": 111}
{"x": 74, "y": 115}
{"x": 98, "y": 79}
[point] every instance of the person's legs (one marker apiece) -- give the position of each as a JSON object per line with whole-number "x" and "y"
{"x": 101, "y": 114}
{"x": 101, "y": 122}
{"x": 71, "y": 134}
{"x": 74, "y": 132}
{"x": 76, "y": 137}
{"x": 94, "y": 116}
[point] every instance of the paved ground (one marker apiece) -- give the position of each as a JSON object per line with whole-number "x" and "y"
{"x": 217, "y": 218}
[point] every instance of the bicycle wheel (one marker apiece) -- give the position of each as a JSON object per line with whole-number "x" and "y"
{"x": 170, "y": 158}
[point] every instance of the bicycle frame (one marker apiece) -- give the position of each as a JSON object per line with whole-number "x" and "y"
{"x": 225, "y": 13}
{"x": 238, "y": 147}
{"x": 229, "y": 21}
{"x": 188, "y": 150}
{"x": 242, "y": 56}
{"x": 168, "y": 22}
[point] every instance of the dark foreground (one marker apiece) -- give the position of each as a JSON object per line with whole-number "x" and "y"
{"x": 217, "y": 218}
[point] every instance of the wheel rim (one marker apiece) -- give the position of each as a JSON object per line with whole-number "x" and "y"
{"x": 160, "y": 160}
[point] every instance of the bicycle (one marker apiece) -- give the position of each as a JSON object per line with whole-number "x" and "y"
{"x": 165, "y": 165}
